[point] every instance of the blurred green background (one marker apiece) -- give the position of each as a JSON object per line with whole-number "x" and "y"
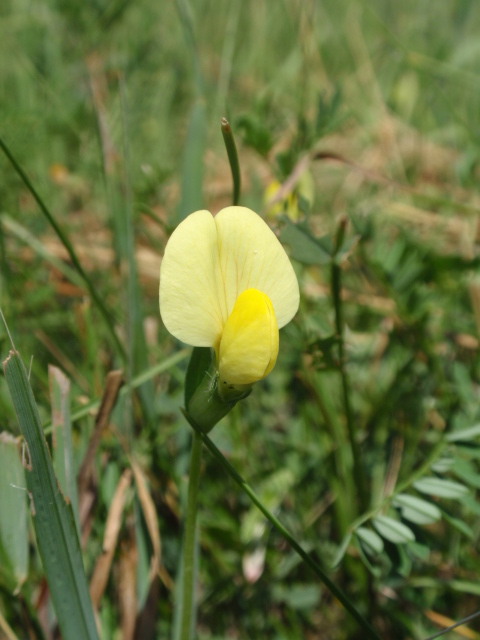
{"x": 368, "y": 114}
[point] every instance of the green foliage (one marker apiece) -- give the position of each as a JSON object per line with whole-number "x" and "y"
{"x": 13, "y": 515}
{"x": 364, "y": 441}
{"x": 55, "y": 530}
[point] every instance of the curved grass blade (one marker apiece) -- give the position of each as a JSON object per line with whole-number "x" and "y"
{"x": 69, "y": 247}
{"x": 53, "y": 519}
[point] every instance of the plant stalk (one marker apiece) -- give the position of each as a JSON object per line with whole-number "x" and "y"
{"x": 336, "y": 285}
{"x": 187, "y": 596}
{"x": 315, "y": 566}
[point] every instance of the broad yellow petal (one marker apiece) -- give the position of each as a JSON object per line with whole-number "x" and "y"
{"x": 249, "y": 345}
{"x": 250, "y": 256}
{"x": 190, "y": 304}
{"x": 209, "y": 261}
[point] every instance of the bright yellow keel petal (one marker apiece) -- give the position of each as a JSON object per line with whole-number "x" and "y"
{"x": 249, "y": 345}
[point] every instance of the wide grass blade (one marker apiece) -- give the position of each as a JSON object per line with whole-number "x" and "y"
{"x": 52, "y": 516}
{"x": 193, "y": 162}
{"x": 13, "y": 515}
{"x": 63, "y": 456}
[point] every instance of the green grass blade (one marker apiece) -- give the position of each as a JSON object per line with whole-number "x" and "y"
{"x": 124, "y": 225}
{"x": 62, "y": 437}
{"x": 193, "y": 163}
{"x": 188, "y": 27}
{"x": 192, "y": 170}
{"x": 52, "y": 517}
{"x": 13, "y": 515}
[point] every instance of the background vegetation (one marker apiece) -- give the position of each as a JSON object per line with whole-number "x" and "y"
{"x": 364, "y": 441}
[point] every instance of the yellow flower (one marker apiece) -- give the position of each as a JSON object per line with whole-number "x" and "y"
{"x": 295, "y": 201}
{"x": 227, "y": 283}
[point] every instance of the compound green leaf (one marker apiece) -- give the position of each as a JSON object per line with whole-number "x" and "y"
{"x": 393, "y": 530}
{"x": 417, "y": 510}
{"x": 441, "y": 488}
{"x": 370, "y": 541}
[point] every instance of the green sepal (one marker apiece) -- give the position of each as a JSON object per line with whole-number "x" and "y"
{"x": 204, "y": 405}
{"x": 200, "y": 362}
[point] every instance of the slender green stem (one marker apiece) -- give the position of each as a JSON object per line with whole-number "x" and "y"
{"x": 232, "y": 158}
{"x": 370, "y": 633}
{"x": 187, "y": 598}
{"x": 336, "y": 285}
{"x": 341, "y": 460}
{"x": 68, "y": 246}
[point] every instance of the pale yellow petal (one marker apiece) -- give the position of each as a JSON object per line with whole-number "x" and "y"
{"x": 249, "y": 345}
{"x": 251, "y": 256}
{"x": 190, "y": 305}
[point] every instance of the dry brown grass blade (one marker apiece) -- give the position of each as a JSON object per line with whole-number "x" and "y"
{"x": 86, "y": 490}
{"x": 453, "y": 234}
{"x": 151, "y": 520}
{"x": 6, "y": 632}
{"x": 113, "y": 384}
{"x": 97, "y": 255}
{"x": 110, "y": 538}
{"x": 63, "y": 383}
{"x": 127, "y": 588}
{"x": 445, "y": 621}
{"x": 99, "y": 90}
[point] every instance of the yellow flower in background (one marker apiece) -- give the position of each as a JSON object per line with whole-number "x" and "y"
{"x": 293, "y": 199}
{"x": 277, "y": 206}
{"x": 227, "y": 283}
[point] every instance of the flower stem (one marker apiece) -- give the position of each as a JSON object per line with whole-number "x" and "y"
{"x": 336, "y": 285}
{"x": 317, "y": 568}
{"x": 187, "y": 597}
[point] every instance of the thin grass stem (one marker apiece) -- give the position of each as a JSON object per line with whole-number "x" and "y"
{"x": 336, "y": 286}
{"x": 69, "y": 247}
{"x": 316, "y": 567}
